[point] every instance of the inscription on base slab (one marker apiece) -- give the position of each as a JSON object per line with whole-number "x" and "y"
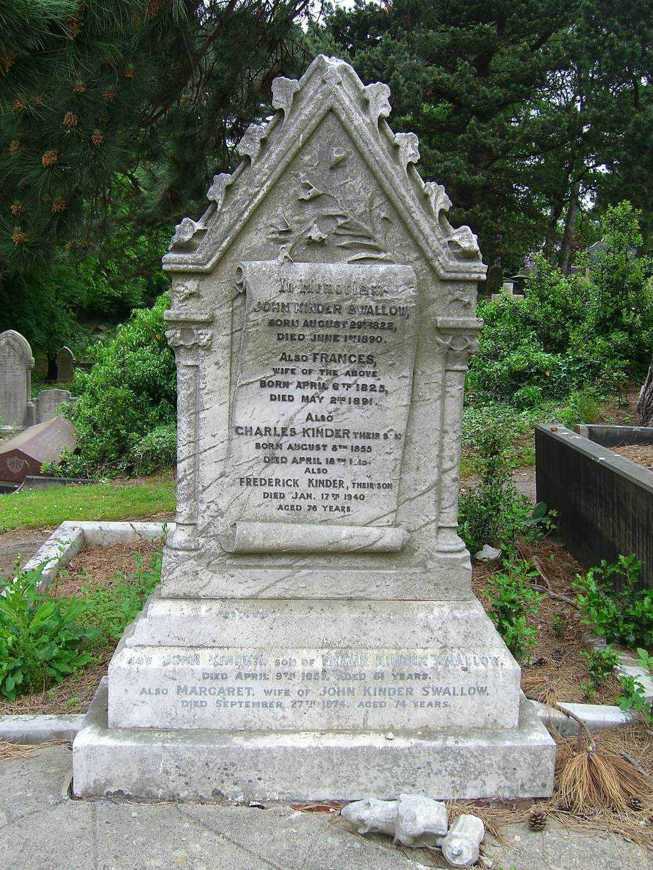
{"x": 323, "y": 391}
{"x": 256, "y": 689}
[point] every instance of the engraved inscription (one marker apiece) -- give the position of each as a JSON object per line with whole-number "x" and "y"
{"x": 324, "y": 386}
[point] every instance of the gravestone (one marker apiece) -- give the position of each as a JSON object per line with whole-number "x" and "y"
{"x": 65, "y": 365}
{"x": 16, "y": 363}
{"x": 507, "y": 292}
{"x": 48, "y": 403}
{"x": 25, "y": 453}
{"x": 315, "y": 634}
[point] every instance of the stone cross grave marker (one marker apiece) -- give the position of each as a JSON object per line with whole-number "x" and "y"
{"x": 507, "y": 292}
{"x": 65, "y": 365}
{"x": 315, "y": 634}
{"x": 16, "y": 363}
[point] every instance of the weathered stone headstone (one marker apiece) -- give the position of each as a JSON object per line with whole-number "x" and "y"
{"x": 315, "y": 633}
{"x": 16, "y": 363}
{"x": 65, "y": 365}
{"x": 48, "y": 403}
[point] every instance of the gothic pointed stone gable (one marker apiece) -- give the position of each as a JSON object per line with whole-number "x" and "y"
{"x": 328, "y": 86}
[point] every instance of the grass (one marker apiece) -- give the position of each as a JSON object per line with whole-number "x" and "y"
{"x": 114, "y": 500}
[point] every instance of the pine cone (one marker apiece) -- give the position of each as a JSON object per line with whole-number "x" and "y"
{"x": 58, "y": 205}
{"x": 50, "y": 158}
{"x": 79, "y": 88}
{"x": 537, "y": 820}
{"x": 19, "y": 105}
{"x": 97, "y": 138}
{"x": 16, "y": 208}
{"x": 18, "y": 237}
{"x": 70, "y": 120}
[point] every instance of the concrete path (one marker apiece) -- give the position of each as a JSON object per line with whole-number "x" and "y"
{"x": 42, "y": 829}
{"x": 22, "y": 544}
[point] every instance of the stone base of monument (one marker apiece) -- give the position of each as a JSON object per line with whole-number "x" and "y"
{"x": 246, "y": 766}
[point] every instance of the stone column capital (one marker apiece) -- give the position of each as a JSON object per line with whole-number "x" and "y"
{"x": 189, "y": 338}
{"x": 458, "y": 338}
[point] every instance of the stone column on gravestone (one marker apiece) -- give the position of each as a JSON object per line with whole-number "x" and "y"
{"x": 188, "y": 342}
{"x": 457, "y": 337}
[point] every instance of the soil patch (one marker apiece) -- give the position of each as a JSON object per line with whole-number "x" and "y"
{"x": 101, "y": 566}
{"x": 557, "y": 667}
{"x": 640, "y": 453}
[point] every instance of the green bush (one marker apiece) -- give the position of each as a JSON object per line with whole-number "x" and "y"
{"x": 157, "y": 449}
{"x": 594, "y": 326}
{"x": 127, "y": 397}
{"x": 513, "y": 602}
{"x": 600, "y": 665}
{"x": 42, "y": 639}
{"x": 495, "y": 512}
{"x": 613, "y": 604}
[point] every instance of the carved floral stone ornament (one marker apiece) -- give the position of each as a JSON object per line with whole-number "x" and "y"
{"x": 315, "y": 594}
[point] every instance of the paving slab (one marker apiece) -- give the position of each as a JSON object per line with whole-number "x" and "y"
{"x": 41, "y": 828}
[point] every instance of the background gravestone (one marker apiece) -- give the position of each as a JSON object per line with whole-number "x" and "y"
{"x": 16, "y": 363}
{"x": 315, "y": 634}
{"x": 48, "y": 403}
{"x": 65, "y": 365}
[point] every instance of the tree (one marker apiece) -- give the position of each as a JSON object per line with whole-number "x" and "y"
{"x": 127, "y": 102}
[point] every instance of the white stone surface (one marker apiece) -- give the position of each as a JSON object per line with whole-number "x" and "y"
{"x": 594, "y": 716}
{"x": 298, "y": 665}
{"x": 210, "y": 765}
{"x": 487, "y": 554}
{"x": 28, "y": 728}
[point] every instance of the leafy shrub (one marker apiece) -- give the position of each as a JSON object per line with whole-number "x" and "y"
{"x": 512, "y": 602}
{"x": 155, "y": 450}
{"x": 612, "y": 604}
{"x": 600, "y": 664}
{"x": 42, "y": 639}
{"x": 128, "y": 395}
{"x": 632, "y": 698}
{"x": 582, "y": 406}
{"x": 495, "y": 512}
{"x": 593, "y": 326}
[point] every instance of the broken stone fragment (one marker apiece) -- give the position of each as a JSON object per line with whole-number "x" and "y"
{"x": 413, "y": 820}
{"x": 487, "y": 554}
{"x": 461, "y": 845}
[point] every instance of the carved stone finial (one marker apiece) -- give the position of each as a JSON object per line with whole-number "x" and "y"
{"x": 250, "y": 144}
{"x": 378, "y": 97}
{"x": 437, "y": 197}
{"x": 184, "y": 233}
{"x": 463, "y": 244}
{"x": 218, "y": 189}
{"x": 408, "y": 144}
{"x": 283, "y": 93}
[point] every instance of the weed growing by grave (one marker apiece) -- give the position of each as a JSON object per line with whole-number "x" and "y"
{"x": 512, "y": 603}
{"x": 42, "y": 639}
{"x": 600, "y": 664}
{"x": 632, "y": 699}
{"x": 614, "y": 606}
{"x": 109, "y": 609}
